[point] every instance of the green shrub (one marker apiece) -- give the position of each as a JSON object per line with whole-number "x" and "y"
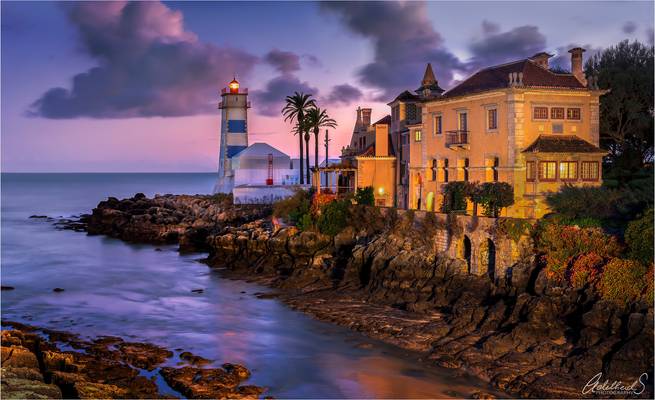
{"x": 623, "y": 280}
{"x": 455, "y": 195}
{"x": 293, "y": 208}
{"x": 364, "y": 196}
{"x": 561, "y": 244}
{"x": 513, "y": 228}
{"x": 610, "y": 206}
{"x": 493, "y": 196}
{"x": 305, "y": 223}
{"x": 334, "y": 217}
{"x": 586, "y": 269}
{"x": 639, "y": 238}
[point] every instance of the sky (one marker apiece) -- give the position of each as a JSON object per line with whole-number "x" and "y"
{"x": 133, "y": 87}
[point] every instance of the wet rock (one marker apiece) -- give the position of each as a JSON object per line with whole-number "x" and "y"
{"x": 215, "y": 383}
{"x": 193, "y": 359}
{"x": 197, "y": 290}
{"x": 38, "y": 216}
{"x": 8, "y": 288}
{"x": 58, "y": 290}
{"x": 18, "y": 383}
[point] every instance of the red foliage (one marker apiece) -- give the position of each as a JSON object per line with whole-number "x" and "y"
{"x": 586, "y": 269}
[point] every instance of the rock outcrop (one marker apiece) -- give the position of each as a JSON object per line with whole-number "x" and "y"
{"x": 106, "y": 368}
{"x": 520, "y": 332}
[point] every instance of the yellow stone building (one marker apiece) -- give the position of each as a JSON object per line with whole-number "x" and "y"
{"x": 518, "y": 122}
{"x": 368, "y": 160}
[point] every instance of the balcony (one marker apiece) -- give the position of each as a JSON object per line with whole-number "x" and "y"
{"x": 458, "y": 139}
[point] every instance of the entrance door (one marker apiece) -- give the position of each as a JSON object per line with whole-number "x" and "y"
{"x": 467, "y": 252}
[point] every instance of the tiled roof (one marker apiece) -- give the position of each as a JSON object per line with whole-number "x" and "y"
{"x": 406, "y": 96}
{"x": 497, "y": 78}
{"x": 562, "y": 144}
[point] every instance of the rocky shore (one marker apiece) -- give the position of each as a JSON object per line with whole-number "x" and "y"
{"x": 46, "y": 364}
{"x": 523, "y": 334}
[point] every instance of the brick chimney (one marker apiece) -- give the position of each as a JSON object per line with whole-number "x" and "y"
{"x": 576, "y": 64}
{"x": 366, "y": 117}
{"x": 541, "y": 59}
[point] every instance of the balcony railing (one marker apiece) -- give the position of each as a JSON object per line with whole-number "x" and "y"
{"x": 458, "y": 138}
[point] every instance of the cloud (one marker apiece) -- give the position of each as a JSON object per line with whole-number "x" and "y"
{"x": 270, "y": 100}
{"x": 344, "y": 94}
{"x": 147, "y": 65}
{"x": 629, "y": 27}
{"x": 404, "y": 41}
{"x": 284, "y": 61}
{"x": 496, "y": 47}
{"x": 312, "y": 60}
{"x": 650, "y": 36}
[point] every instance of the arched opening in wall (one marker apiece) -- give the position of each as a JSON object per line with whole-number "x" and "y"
{"x": 467, "y": 252}
{"x": 429, "y": 201}
{"x": 491, "y": 265}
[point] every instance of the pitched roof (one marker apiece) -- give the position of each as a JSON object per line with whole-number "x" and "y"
{"x": 429, "y": 82}
{"x": 386, "y": 120}
{"x": 260, "y": 150}
{"x": 497, "y": 77}
{"x": 406, "y": 96}
{"x": 562, "y": 144}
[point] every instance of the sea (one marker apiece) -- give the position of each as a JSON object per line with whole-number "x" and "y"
{"x": 144, "y": 293}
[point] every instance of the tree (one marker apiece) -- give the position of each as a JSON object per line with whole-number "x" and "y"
{"x": 626, "y": 112}
{"x": 365, "y": 196}
{"x": 454, "y": 196}
{"x": 318, "y": 119}
{"x": 494, "y": 196}
{"x": 295, "y": 109}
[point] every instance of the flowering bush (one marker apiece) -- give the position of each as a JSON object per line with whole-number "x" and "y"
{"x": 623, "y": 280}
{"x": 561, "y": 244}
{"x": 586, "y": 269}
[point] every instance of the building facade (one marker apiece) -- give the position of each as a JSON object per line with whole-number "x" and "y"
{"x": 518, "y": 123}
{"x": 371, "y": 157}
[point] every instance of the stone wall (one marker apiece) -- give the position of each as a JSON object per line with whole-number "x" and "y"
{"x": 478, "y": 241}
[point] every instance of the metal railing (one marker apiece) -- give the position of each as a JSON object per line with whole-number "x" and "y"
{"x": 456, "y": 138}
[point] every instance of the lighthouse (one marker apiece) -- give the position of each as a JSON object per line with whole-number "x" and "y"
{"x": 234, "y": 107}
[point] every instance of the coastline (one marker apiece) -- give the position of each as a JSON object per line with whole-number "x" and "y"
{"x": 516, "y": 334}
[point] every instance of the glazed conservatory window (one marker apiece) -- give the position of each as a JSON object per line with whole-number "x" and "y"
{"x": 589, "y": 171}
{"x": 568, "y": 170}
{"x": 547, "y": 170}
{"x": 573, "y": 113}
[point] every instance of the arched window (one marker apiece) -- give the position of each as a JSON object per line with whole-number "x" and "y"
{"x": 445, "y": 170}
{"x": 434, "y": 169}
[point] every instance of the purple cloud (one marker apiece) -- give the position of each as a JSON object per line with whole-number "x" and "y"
{"x": 284, "y": 61}
{"x": 404, "y": 41}
{"x": 496, "y": 47}
{"x": 344, "y": 94}
{"x": 147, "y": 65}
{"x": 629, "y": 27}
{"x": 270, "y": 100}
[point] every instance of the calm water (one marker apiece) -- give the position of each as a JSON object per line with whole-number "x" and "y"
{"x": 133, "y": 291}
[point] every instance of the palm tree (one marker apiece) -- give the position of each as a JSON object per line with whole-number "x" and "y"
{"x": 295, "y": 109}
{"x": 318, "y": 119}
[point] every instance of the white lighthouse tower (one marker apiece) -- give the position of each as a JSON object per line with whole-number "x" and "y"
{"x": 234, "y": 107}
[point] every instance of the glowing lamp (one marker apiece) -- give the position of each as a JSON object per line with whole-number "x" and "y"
{"x": 381, "y": 191}
{"x": 234, "y": 86}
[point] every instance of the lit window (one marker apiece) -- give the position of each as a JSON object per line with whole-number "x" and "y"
{"x": 529, "y": 171}
{"x": 547, "y": 170}
{"x": 573, "y": 113}
{"x": 540, "y": 113}
{"x": 417, "y": 135}
{"x": 492, "y": 119}
{"x": 437, "y": 124}
{"x": 568, "y": 170}
{"x": 589, "y": 170}
{"x": 557, "y": 113}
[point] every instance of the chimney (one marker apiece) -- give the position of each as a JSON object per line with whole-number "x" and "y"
{"x": 366, "y": 117}
{"x": 541, "y": 59}
{"x": 358, "y": 121}
{"x": 576, "y": 64}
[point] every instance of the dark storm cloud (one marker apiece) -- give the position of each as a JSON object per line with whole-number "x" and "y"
{"x": 147, "y": 65}
{"x": 629, "y": 27}
{"x": 496, "y": 47}
{"x": 403, "y": 39}
{"x": 270, "y": 100}
{"x": 284, "y": 61}
{"x": 344, "y": 94}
